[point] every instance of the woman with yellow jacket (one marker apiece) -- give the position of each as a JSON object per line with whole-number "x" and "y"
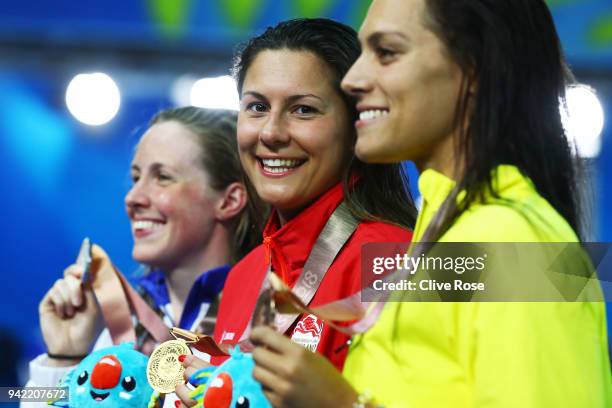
{"x": 469, "y": 90}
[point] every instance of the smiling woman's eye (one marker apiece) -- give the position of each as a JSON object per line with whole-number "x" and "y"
{"x": 256, "y": 107}
{"x": 161, "y": 176}
{"x": 385, "y": 54}
{"x": 305, "y": 110}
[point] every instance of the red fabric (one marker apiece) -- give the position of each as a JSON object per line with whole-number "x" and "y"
{"x": 289, "y": 247}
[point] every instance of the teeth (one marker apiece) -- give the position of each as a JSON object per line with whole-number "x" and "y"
{"x": 281, "y": 163}
{"x": 142, "y": 224}
{"x": 277, "y": 169}
{"x": 372, "y": 114}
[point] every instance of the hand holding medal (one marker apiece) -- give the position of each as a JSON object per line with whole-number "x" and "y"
{"x": 164, "y": 370}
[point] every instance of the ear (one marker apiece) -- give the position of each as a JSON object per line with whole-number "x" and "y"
{"x": 231, "y": 202}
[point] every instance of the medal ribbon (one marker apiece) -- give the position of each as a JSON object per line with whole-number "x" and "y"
{"x": 117, "y": 299}
{"x": 337, "y": 230}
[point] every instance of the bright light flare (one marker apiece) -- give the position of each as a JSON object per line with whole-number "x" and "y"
{"x": 93, "y": 99}
{"x": 583, "y": 121}
{"x": 215, "y": 93}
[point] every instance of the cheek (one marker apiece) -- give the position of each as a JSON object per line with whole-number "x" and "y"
{"x": 333, "y": 141}
{"x": 165, "y": 202}
{"x": 185, "y": 204}
{"x": 247, "y": 134}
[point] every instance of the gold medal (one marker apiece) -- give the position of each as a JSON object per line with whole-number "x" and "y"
{"x": 164, "y": 370}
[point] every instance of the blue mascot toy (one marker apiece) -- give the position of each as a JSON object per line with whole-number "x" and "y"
{"x": 111, "y": 377}
{"x": 231, "y": 385}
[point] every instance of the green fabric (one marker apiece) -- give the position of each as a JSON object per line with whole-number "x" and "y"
{"x": 499, "y": 355}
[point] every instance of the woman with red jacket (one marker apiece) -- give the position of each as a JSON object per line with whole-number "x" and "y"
{"x": 295, "y": 139}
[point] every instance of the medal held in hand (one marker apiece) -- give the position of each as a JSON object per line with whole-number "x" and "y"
{"x": 264, "y": 312}
{"x": 164, "y": 370}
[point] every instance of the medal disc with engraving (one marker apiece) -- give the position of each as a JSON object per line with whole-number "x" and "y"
{"x": 164, "y": 370}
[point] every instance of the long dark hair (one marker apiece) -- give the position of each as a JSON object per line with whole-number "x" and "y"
{"x": 381, "y": 193}
{"x": 215, "y": 132}
{"x": 512, "y": 61}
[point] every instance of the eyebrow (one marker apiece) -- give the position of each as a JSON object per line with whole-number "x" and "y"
{"x": 376, "y": 37}
{"x": 291, "y": 99}
{"x": 154, "y": 166}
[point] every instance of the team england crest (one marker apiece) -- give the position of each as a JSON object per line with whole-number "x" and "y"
{"x": 307, "y": 332}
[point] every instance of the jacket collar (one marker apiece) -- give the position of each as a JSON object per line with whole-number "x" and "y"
{"x": 205, "y": 289}
{"x": 507, "y": 181}
{"x": 290, "y": 245}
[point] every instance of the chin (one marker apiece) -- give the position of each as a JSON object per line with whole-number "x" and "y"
{"x": 144, "y": 256}
{"x": 372, "y": 154}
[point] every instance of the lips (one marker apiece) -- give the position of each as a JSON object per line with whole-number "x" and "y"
{"x": 369, "y": 116}
{"x": 278, "y": 167}
{"x": 99, "y": 397}
{"x": 142, "y": 228}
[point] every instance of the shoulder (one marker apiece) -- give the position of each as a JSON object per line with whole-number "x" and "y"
{"x": 376, "y": 231}
{"x": 255, "y": 257}
{"x": 511, "y": 222}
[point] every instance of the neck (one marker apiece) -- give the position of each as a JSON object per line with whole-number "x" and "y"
{"x": 284, "y": 216}
{"x": 444, "y": 160}
{"x": 180, "y": 278}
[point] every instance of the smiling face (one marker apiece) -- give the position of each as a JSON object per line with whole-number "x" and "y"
{"x": 170, "y": 206}
{"x": 406, "y": 85}
{"x": 294, "y": 129}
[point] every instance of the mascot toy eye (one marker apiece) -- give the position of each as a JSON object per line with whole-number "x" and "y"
{"x": 231, "y": 385}
{"x": 110, "y": 377}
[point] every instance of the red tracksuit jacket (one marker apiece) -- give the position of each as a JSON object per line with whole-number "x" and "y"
{"x": 290, "y": 246}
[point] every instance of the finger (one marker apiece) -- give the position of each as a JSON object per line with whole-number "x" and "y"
{"x": 76, "y": 291}
{"x": 89, "y": 300}
{"x": 268, "y": 379}
{"x": 74, "y": 270}
{"x": 267, "y": 337}
{"x": 270, "y": 360}
{"x": 46, "y": 305}
{"x": 63, "y": 290}
{"x": 183, "y": 392}
{"x": 193, "y": 364}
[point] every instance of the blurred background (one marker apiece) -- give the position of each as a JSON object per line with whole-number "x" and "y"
{"x": 80, "y": 79}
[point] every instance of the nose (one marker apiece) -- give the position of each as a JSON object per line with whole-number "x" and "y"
{"x": 274, "y": 132}
{"x": 137, "y": 196}
{"x": 357, "y": 81}
{"x": 106, "y": 373}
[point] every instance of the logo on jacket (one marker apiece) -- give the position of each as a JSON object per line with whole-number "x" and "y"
{"x": 307, "y": 332}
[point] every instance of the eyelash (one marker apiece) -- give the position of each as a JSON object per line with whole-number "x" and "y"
{"x": 159, "y": 176}
{"x": 310, "y": 110}
{"x": 163, "y": 177}
{"x": 385, "y": 54}
{"x": 252, "y": 105}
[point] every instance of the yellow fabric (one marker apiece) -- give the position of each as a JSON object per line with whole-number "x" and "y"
{"x": 527, "y": 355}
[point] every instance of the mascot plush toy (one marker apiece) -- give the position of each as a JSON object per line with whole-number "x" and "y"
{"x": 231, "y": 385}
{"x": 111, "y": 377}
